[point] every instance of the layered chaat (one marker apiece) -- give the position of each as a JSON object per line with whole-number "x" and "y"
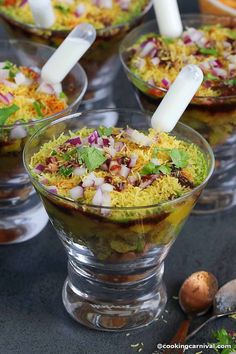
{"x": 69, "y": 13}
{"x": 157, "y": 60}
{"x": 116, "y": 167}
{"x": 25, "y": 97}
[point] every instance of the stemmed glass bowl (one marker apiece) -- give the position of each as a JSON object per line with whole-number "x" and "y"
{"x": 115, "y": 258}
{"x": 22, "y": 214}
{"x": 213, "y": 117}
{"x": 101, "y": 62}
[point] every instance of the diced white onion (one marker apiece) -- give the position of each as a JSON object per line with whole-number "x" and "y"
{"x": 18, "y": 132}
{"x": 76, "y": 192}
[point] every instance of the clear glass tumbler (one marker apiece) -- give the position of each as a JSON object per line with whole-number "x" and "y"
{"x": 101, "y": 62}
{"x": 213, "y": 117}
{"x": 115, "y": 261}
{"x": 22, "y": 214}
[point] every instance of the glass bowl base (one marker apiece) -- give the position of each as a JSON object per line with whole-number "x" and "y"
{"x": 118, "y": 315}
{"x": 215, "y": 200}
{"x": 22, "y": 222}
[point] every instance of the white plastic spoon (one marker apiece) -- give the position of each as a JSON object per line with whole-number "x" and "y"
{"x": 42, "y": 12}
{"x": 177, "y": 98}
{"x": 168, "y": 18}
{"x": 68, "y": 54}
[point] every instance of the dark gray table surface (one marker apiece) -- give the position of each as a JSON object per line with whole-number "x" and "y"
{"x": 32, "y": 317}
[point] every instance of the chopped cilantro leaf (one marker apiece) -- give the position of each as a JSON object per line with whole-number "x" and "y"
{"x": 8, "y": 65}
{"x": 66, "y": 156}
{"x": 224, "y": 339}
{"x": 209, "y": 76}
{"x": 103, "y": 131}
{"x": 208, "y": 51}
{"x": 231, "y": 34}
{"x": 65, "y": 171}
{"x": 179, "y": 158}
{"x": 62, "y": 95}
{"x": 5, "y": 113}
{"x": 168, "y": 40}
{"x": 92, "y": 157}
{"x": 53, "y": 153}
{"x": 38, "y": 108}
{"x": 63, "y": 8}
{"x": 165, "y": 169}
{"x": 231, "y": 82}
{"x": 148, "y": 169}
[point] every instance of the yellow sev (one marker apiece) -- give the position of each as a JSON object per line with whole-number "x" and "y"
{"x": 24, "y": 98}
{"x": 162, "y": 189}
{"x": 99, "y": 17}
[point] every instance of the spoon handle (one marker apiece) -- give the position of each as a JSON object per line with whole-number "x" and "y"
{"x": 179, "y": 338}
{"x": 195, "y": 331}
{"x": 207, "y": 321}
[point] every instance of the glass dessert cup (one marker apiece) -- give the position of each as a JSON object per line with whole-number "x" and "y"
{"x": 22, "y": 214}
{"x": 115, "y": 255}
{"x": 213, "y": 117}
{"x": 101, "y": 62}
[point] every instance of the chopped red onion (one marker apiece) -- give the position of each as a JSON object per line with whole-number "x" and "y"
{"x": 222, "y": 73}
{"x": 138, "y": 138}
{"x": 45, "y": 88}
{"x": 140, "y": 63}
{"x": 104, "y": 167}
{"x": 107, "y": 4}
{"x": 93, "y": 138}
{"x": 52, "y": 189}
{"x": 21, "y": 79}
{"x": 119, "y": 145}
{"x": 80, "y": 10}
{"x": 98, "y": 181}
{"x": 89, "y": 180}
{"x": 133, "y": 160}
{"x": 98, "y": 197}
{"x": 18, "y": 132}
{"x": 4, "y": 99}
{"x": 165, "y": 82}
{"x": 147, "y": 182}
{"x": 105, "y": 141}
{"x": 23, "y": 2}
{"x": 132, "y": 179}
{"x": 147, "y": 49}
{"x": 4, "y": 74}
{"x": 155, "y": 61}
{"x": 39, "y": 168}
{"x": 77, "y": 192}
{"x": 43, "y": 180}
{"x": 79, "y": 171}
{"x": 9, "y": 83}
{"x": 106, "y": 187}
{"x": 74, "y": 141}
{"x": 205, "y": 65}
{"x": 124, "y": 171}
{"x": 111, "y": 151}
{"x": 124, "y": 4}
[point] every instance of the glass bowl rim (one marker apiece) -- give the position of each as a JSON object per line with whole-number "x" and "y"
{"x": 100, "y": 32}
{"x": 79, "y": 97}
{"x": 150, "y": 86}
{"x": 124, "y": 111}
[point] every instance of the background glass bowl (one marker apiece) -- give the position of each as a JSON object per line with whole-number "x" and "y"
{"x": 101, "y": 62}
{"x": 213, "y": 117}
{"x": 115, "y": 261}
{"x": 218, "y": 7}
{"x": 22, "y": 214}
